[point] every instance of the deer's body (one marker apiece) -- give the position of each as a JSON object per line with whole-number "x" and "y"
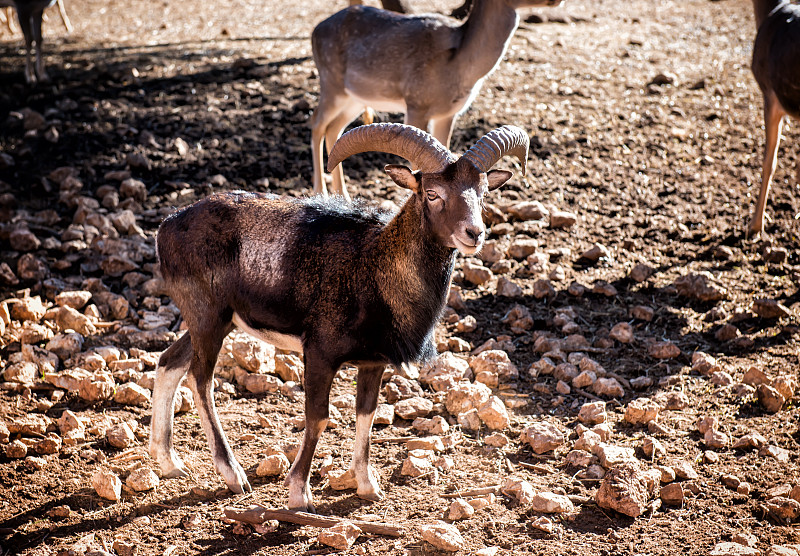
{"x": 432, "y": 45}
{"x": 430, "y": 67}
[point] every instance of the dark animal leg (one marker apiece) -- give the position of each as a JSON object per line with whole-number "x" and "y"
{"x": 369, "y": 383}
{"x": 25, "y": 17}
{"x": 206, "y": 347}
{"x": 319, "y": 374}
{"x": 395, "y": 6}
{"x": 36, "y": 21}
{"x": 463, "y": 10}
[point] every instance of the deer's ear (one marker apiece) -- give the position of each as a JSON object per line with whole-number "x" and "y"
{"x": 497, "y": 178}
{"x": 403, "y": 176}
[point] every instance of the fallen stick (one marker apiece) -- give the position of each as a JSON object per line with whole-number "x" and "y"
{"x": 393, "y": 439}
{"x": 259, "y": 514}
{"x": 538, "y": 467}
{"x": 586, "y": 394}
{"x": 494, "y": 489}
{"x": 19, "y": 387}
{"x": 622, "y": 380}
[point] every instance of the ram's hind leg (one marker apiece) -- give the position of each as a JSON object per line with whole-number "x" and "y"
{"x": 369, "y": 383}
{"x": 172, "y": 367}
{"x": 201, "y": 381}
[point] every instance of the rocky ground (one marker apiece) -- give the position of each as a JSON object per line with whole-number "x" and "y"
{"x": 618, "y": 366}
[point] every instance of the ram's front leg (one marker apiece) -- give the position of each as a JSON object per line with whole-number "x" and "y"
{"x": 318, "y": 378}
{"x": 369, "y": 383}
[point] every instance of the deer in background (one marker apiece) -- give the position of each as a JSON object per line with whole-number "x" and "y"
{"x": 7, "y": 19}
{"x": 776, "y": 67}
{"x": 428, "y": 66}
{"x": 30, "y": 14}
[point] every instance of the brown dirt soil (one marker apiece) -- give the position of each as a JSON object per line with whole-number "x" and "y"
{"x": 659, "y": 174}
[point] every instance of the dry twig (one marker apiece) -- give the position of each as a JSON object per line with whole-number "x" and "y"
{"x": 393, "y": 439}
{"x": 259, "y": 514}
{"x": 494, "y": 489}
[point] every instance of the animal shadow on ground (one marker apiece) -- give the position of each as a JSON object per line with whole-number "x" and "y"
{"x": 236, "y": 117}
{"x": 86, "y": 501}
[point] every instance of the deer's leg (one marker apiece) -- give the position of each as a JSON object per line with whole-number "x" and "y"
{"x": 319, "y": 373}
{"x": 369, "y": 383}
{"x": 349, "y": 113}
{"x": 395, "y": 6}
{"x": 442, "y": 129}
{"x": 773, "y": 120}
{"x": 64, "y": 19}
{"x": 207, "y": 342}
{"x": 326, "y": 112}
{"x": 7, "y": 18}
{"x": 172, "y": 367}
{"x": 463, "y": 10}
{"x": 25, "y": 18}
{"x": 36, "y": 24}
{"x": 417, "y": 118}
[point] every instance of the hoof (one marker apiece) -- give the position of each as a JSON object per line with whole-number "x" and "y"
{"x": 170, "y": 464}
{"x": 301, "y": 502}
{"x": 240, "y": 488}
{"x": 370, "y": 496}
{"x": 755, "y": 231}
{"x": 308, "y": 508}
{"x": 176, "y": 473}
{"x": 238, "y": 483}
{"x": 756, "y": 237}
{"x": 233, "y": 474}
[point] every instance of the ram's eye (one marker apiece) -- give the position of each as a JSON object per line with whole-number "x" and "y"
{"x": 432, "y": 195}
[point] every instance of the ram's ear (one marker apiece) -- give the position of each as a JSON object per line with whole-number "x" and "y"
{"x": 403, "y": 176}
{"x": 497, "y": 178}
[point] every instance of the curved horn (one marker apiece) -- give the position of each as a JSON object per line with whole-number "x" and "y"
{"x": 416, "y": 146}
{"x": 493, "y": 146}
